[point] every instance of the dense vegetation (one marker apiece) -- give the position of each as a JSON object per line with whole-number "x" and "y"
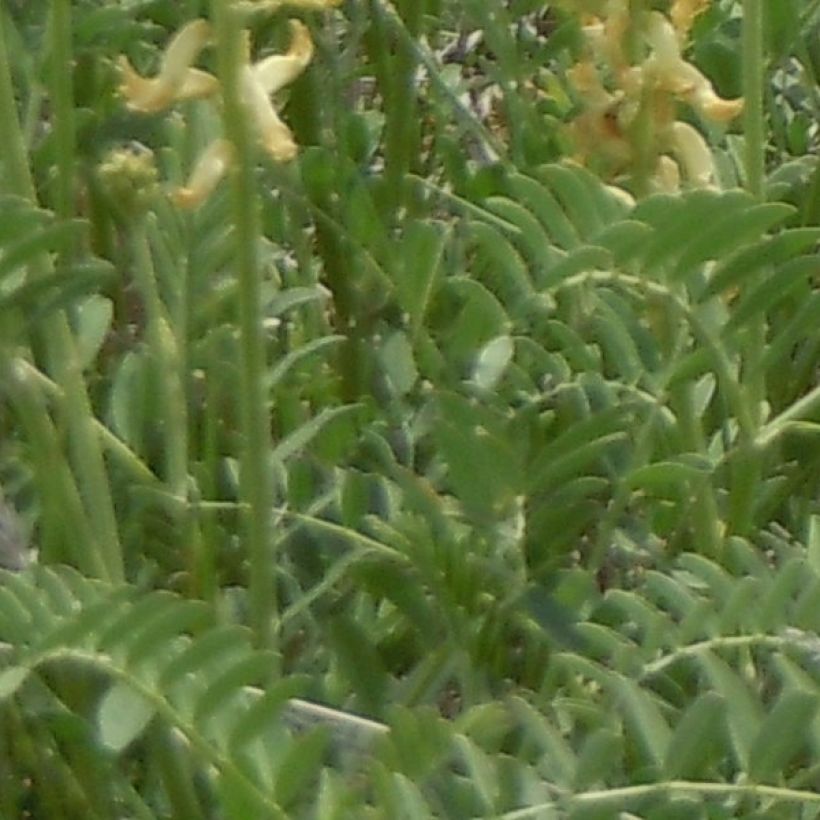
{"x": 475, "y": 399}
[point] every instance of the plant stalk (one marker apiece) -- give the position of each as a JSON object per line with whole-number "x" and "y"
{"x": 59, "y": 341}
{"x": 255, "y": 479}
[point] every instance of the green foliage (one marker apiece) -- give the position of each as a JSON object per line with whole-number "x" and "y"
{"x": 674, "y": 685}
{"x": 544, "y": 458}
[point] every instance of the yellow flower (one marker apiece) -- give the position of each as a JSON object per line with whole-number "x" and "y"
{"x": 260, "y": 80}
{"x": 692, "y": 153}
{"x": 683, "y": 14}
{"x": 176, "y": 80}
{"x": 668, "y": 71}
{"x": 208, "y": 171}
{"x": 257, "y": 82}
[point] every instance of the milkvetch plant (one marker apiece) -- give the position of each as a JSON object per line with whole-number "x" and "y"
{"x": 525, "y": 555}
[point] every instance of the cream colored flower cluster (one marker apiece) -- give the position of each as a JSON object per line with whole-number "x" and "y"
{"x": 629, "y": 123}
{"x": 178, "y": 80}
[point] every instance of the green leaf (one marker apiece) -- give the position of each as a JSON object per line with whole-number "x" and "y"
{"x": 668, "y": 479}
{"x": 299, "y": 767}
{"x": 11, "y": 679}
{"x": 582, "y": 260}
{"x": 697, "y": 739}
{"x": 399, "y": 363}
{"x": 215, "y": 648}
{"x": 813, "y": 543}
{"x": 492, "y": 361}
{"x": 577, "y": 199}
{"x": 500, "y": 265}
{"x": 286, "y": 300}
{"x": 150, "y": 634}
{"x": 558, "y": 762}
{"x": 399, "y": 798}
{"x": 238, "y": 799}
{"x": 422, "y": 250}
{"x": 302, "y": 436}
{"x": 54, "y": 237}
{"x": 748, "y": 261}
{"x": 643, "y": 717}
{"x": 677, "y": 221}
{"x": 782, "y": 734}
{"x": 359, "y": 661}
{"x": 533, "y": 240}
{"x": 480, "y": 769}
{"x": 122, "y": 716}
{"x": 83, "y": 627}
{"x": 624, "y": 240}
{"x": 727, "y": 233}
{"x": 128, "y": 407}
{"x": 541, "y": 201}
{"x": 776, "y": 288}
{"x": 293, "y": 358}
{"x": 600, "y": 760}
{"x": 249, "y": 670}
{"x": 742, "y": 708}
{"x": 265, "y": 710}
{"x": 483, "y": 466}
{"x": 94, "y": 316}
{"x": 585, "y": 460}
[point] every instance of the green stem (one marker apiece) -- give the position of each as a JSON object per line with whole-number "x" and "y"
{"x": 753, "y": 118}
{"x": 164, "y": 351}
{"x": 747, "y": 467}
{"x": 61, "y": 347}
{"x": 62, "y": 507}
{"x": 62, "y": 100}
{"x": 255, "y": 480}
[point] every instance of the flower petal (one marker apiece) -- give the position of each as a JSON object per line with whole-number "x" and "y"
{"x": 277, "y": 71}
{"x": 208, "y": 171}
{"x": 683, "y": 14}
{"x": 176, "y": 79}
{"x": 275, "y": 136}
{"x": 693, "y": 153}
{"x": 266, "y": 77}
{"x": 672, "y": 73}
